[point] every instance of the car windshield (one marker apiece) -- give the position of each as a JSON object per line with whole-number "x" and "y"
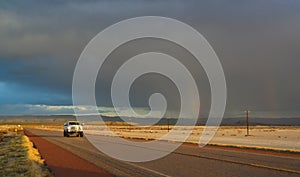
{"x": 73, "y": 123}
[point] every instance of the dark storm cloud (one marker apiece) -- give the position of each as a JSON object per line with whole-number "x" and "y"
{"x": 257, "y": 43}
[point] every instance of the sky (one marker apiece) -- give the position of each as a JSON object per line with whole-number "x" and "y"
{"x": 256, "y": 41}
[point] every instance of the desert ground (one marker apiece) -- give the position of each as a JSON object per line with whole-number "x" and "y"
{"x": 19, "y": 150}
{"x": 277, "y": 137}
{"x": 261, "y": 137}
{"x": 281, "y": 138}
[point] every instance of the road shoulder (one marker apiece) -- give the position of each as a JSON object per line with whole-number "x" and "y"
{"x": 62, "y": 162}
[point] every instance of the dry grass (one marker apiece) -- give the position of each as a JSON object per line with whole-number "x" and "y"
{"x": 18, "y": 157}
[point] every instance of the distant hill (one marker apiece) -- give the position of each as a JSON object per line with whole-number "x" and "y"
{"x": 257, "y": 121}
{"x": 59, "y": 119}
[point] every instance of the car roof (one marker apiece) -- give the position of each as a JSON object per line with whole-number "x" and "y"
{"x": 72, "y": 121}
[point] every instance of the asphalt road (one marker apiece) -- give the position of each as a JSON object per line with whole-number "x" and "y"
{"x": 187, "y": 160}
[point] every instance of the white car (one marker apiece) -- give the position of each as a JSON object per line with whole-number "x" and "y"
{"x": 73, "y": 128}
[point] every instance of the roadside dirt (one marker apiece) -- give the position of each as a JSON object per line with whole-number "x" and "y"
{"x": 63, "y": 163}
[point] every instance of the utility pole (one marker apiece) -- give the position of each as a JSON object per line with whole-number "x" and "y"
{"x": 247, "y": 121}
{"x": 168, "y": 120}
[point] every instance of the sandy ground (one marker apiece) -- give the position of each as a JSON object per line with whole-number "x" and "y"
{"x": 262, "y": 137}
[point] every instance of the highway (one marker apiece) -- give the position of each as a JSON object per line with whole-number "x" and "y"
{"x": 187, "y": 160}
